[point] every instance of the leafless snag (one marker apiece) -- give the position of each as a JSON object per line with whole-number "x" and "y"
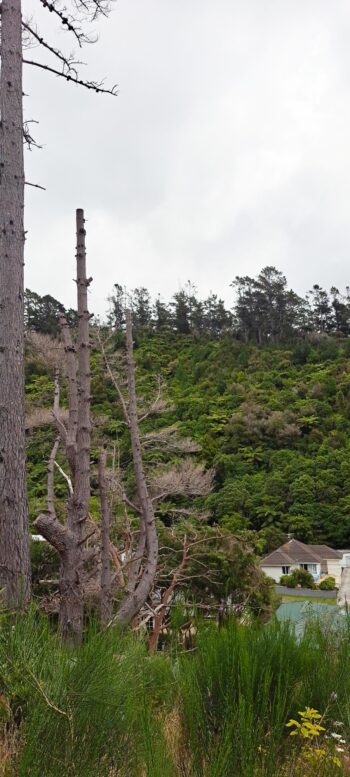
{"x": 70, "y": 539}
{"x": 106, "y": 578}
{"x": 143, "y": 561}
{"x": 134, "y": 600}
{"x": 14, "y": 535}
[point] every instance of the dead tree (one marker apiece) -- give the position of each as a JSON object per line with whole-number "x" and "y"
{"x": 14, "y": 536}
{"x": 160, "y": 615}
{"x": 142, "y": 566}
{"x": 106, "y": 578}
{"x": 135, "y": 599}
{"x": 69, "y": 540}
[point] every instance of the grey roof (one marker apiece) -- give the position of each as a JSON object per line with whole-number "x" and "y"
{"x": 325, "y": 552}
{"x": 294, "y": 551}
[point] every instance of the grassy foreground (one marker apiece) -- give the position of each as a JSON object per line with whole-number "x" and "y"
{"x": 220, "y": 710}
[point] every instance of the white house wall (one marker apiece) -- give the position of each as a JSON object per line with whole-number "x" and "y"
{"x": 334, "y": 569}
{"x": 274, "y": 572}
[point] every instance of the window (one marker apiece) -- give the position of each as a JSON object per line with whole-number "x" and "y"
{"x": 285, "y": 570}
{"x": 310, "y": 568}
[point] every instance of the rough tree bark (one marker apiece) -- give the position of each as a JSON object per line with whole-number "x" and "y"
{"x": 106, "y": 578}
{"x": 14, "y": 537}
{"x": 69, "y": 540}
{"x": 134, "y": 600}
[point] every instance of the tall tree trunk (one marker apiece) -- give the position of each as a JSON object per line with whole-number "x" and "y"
{"x": 106, "y": 578}
{"x": 14, "y": 538}
{"x": 72, "y": 570}
{"x": 69, "y": 540}
{"x": 135, "y": 600}
{"x": 82, "y": 476}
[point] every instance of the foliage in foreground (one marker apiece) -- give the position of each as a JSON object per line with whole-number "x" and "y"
{"x": 220, "y": 710}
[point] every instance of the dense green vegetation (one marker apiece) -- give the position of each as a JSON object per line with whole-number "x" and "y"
{"x": 273, "y": 422}
{"x": 110, "y": 710}
{"x": 254, "y": 428}
{"x": 275, "y": 425}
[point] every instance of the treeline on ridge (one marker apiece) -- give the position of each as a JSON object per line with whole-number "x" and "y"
{"x": 264, "y": 310}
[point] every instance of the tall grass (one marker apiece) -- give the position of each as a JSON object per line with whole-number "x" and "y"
{"x": 85, "y": 712}
{"x": 244, "y": 683}
{"x": 110, "y": 710}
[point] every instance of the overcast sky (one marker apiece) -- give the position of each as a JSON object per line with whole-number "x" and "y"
{"x": 227, "y": 149}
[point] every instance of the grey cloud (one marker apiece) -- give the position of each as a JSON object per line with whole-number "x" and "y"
{"x": 226, "y": 149}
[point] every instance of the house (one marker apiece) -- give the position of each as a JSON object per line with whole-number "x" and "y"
{"x": 319, "y": 560}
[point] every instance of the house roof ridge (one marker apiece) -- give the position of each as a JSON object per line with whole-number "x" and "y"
{"x": 294, "y": 551}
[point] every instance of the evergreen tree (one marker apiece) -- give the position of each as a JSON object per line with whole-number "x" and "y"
{"x": 323, "y": 320}
{"x": 141, "y": 306}
{"x": 181, "y": 312}
{"x": 161, "y": 315}
{"x": 116, "y": 314}
{"x": 41, "y": 314}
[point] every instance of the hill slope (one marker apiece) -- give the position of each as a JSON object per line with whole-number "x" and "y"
{"x": 273, "y": 422}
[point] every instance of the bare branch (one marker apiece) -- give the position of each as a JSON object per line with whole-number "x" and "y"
{"x": 67, "y": 22}
{"x": 50, "y": 478}
{"x": 68, "y": 62}
{"x": 187, "y": 478}
{"x": 68, "y": 480}
{"x": 114, "y": 380}
{"x": 158, "y": 405}
{"x": 35, "y": 185}
{"x": 94, "y": 85}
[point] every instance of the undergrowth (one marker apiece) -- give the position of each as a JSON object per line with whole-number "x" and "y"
{"x": 220, "y": 710}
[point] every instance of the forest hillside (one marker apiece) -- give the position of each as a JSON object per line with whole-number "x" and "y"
{"x": 268, "y": 416}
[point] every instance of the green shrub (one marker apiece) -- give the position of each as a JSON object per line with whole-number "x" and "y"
{"x": 288, "y": 581}
{"x": 298, "y": 577}
{"x": 328, "y": 584}
{"x": 303, "y": 578}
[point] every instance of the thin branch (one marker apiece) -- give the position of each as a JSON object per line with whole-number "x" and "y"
{"x": 154, "y": 404}
{"x": 114, "y": 380}
{"x": 131, "y": 504}
{"x": 45, "y": 697}
{"x": 68, "y": 480}
{"x": 68, "y": 23}
{"x": 85, "y": 539}
{"x": 96, "y": 87}
{"x": 35, "y": 185}
{"x": 66, "y": 61}
{"x": 117, "y": 563}
{"x": 50, "y": 478}
{"x": 61, "y": 427}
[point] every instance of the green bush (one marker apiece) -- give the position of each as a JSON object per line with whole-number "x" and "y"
{"x": 298, "y": 577}
{"x": 328, "y": 584}
{"x": 288, "y": 581}
{"x": 304, "y": 578}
